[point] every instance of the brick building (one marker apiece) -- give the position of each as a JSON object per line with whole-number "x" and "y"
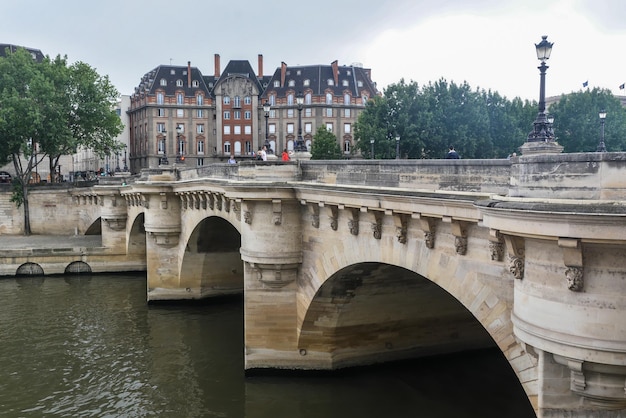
{"x": 178, "y": 115}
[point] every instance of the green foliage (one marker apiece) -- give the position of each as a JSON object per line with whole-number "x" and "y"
{"x": 325, "y": 146}
{"x": 577, "y": 124}
{"x": 17, "y": 193}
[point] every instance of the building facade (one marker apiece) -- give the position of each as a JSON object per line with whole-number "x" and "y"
{"x": 177, "y": 115}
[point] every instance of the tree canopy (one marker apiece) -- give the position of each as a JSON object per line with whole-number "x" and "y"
{"x": 325, "y": 146}
{"x": 48, "y": 109}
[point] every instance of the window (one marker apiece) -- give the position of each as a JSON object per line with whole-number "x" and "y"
{"x": 227, "y": 114}
{"x": 172, "y": 72}
{"x": 359, "y": 83}
{"x": 346, "y": 147}
{"x": 181, "y": 147}
{"x": 308, "y": 112}
{"x": 163, "y": 82}
{"x": 307, "y": 98}
{"x": 200, "y": 147}
{"x": 346, "y": 99}
{"x": 346, "y": 113}
{"x": 200, "y": 129}
{"x": 306, "y": 83}
{"x": 290, "y": 99}
{"x": 276, "y": 83}
{"x": 247, "y": 100}
{"x": 329, "y": 127}
{"x": 160, "y": 112}
{"x": 195, "y": 83}
{"x": 180, "y": 113}
{"x": 272, "y": 100}
{"x": 179, "y": 83}
{"x": 329, "y": 98}
{"x": 180, "y": 98}
{"x": 237, "y": 114}
{"x": 199, "y": 100}
{"x": 226, "y": 129}
{"x": 365, "y": 98}
{"x": 346, "y": 128}
{"x": 160, "y": 127}
{"x": 292, "y": 83}
{"x": 247, "y": 130}
{"x": 160, "y": 97}
{"x": 345, "y": 83}
{"x": 226, "y": 100}
{"x": 272, "y": 128}
{"x": 247, "y": 115}
{"x": 199, "y": 113}
{"x": 226, "y": 147}
{"x": 308, "y": 127}
{"x": 329, "y": 112}
{"x": 180, "y": 128}
{"x": 161, "y": 146}
{"x": 237, "y": 130}
{"x": 290, "y": 128}
{"x": 290, "y": 113}
{"x": 237, "y": 101}
{"x": 273, "y": 114}
{"x": 248, "y": 147}
{"x": 200, "y": 162}
{"x": 330, "y": 82}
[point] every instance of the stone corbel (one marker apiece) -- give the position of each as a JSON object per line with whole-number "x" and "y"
{"x": 516, "y": 255}
{"x": 377, "y": 225}
{"x": 315, "y": 215}
{"x": 218, "y": 202}
{"x": 459, "y": 230}
{"x": 428, "y": 225}
{"x": 211, "y": 197}
{"x": 145, "y": 202}
{"x": 401, "y": 220}
{"x": 247, "y": 213}
{"x": 165, "y": 239}
{"x": 573, "y": 260}
{"x": 226, "y": 204}
{"x": 204, "y": 200}
{"x": 353, "y": 222}
{"x": 195, "y": 200}
{"x": 333, "y": 216}
{"x": 237, "y": 209}
{"x": 277, "y": 212}
{"x": 496, "y": 245}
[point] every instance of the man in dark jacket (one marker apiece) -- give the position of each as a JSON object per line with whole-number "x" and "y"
{"x": 452, "y": 153}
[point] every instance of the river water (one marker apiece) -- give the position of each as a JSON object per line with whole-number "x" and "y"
{"x": 90, "y": 346}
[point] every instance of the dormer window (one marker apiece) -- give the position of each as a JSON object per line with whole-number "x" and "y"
{"x": 345, "y": 83}
{"x": 359, "y": 83}
{"x": 179, "y": 83}
{"x": 163, "y": 82}
{"x": 307, "y": 83}
{"x": 172, "y": 72}
{"x": 276, "y": 83}
{"x": 195, "y": 83}
{"x": 331, "y": 82}
{"x": 292, "y": 83}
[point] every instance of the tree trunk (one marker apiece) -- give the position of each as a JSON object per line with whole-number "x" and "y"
{"x": 26, "y": 210}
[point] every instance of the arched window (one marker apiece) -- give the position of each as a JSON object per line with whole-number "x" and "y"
{"x": 346, "y": 99}
{"x": 163, "y": 82}
{"x": 160, "y": 98}
{"x": 199, "y": 99}
{"x": 179, "y": 83}
{"x": 307, "y": 98}
{"x": 180, "y": 98}
{"x": 329, "y": 98}
{"x": 226, "y": 100}
{"x": 290, "y": 99}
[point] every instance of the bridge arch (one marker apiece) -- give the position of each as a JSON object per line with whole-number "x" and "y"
{"x": 95, "y": 228}
{"x": 211, "y": 259}
{"x": 136, "y": 242}
{"x": 29, "y": 269}
{"x": 78, "y": 267}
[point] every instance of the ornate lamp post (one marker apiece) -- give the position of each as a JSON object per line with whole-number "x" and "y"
{"x": 180, "y": 155}
{"x": 164, "y": 158}
{"x": 266, "y": 109}
{"x": 300, "y": 146}
{"x": 540, "y": 133}
{"x": 125, "y": 166}
{"x": 601, "y": 146}
{"x": 397, "y": 147}
{"x": 372, "y": 145}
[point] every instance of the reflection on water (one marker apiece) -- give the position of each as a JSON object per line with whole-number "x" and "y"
{"x": 91, "y": 346}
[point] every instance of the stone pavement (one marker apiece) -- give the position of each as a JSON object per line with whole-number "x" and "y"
{"x": 17, "y": 242}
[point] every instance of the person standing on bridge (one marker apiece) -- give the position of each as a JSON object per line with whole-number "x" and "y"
{"x": 452, "y": 154}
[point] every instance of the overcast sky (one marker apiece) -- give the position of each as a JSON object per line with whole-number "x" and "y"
{"x": 488, "y": 43}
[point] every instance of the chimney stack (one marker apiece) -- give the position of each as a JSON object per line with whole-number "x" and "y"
{"x": 188, "y": 74}
{"x": 260, "y": 66}
{"x": 283, "y": 73}
{"x": 217, "y": 65}
{"x": 335, "y": 66}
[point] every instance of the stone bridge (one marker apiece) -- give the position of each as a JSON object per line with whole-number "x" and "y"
{"x": 351, "y": 263}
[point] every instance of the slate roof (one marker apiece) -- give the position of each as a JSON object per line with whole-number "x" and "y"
{"x": 151, "y": 81}
{"x": 36, "y": 53}
{"x": 240, "y": 68}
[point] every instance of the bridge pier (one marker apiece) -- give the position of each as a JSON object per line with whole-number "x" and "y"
{"x": 114, "y": 214}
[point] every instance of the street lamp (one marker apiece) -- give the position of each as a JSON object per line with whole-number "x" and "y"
{"x": 300, "y": 146}
{"x": 397, "y": 147}
{"x": 540, "y": 132}
{"x": 601, "y": 146}
{"x": 266, "y": 109}
{"x": 164, "y": 158}
{"x": 125, "y": 166}
{"x": 372, "y": 145}
{"x": 180, "y": 155}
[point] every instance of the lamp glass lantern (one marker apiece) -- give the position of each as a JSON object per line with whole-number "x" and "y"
{"x": 266, "y": 107}
{"x": 602, "y": 114}
{"x": 544, "y": 49}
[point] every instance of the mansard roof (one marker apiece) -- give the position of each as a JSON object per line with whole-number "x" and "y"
{"x": 171, "y": 74}
{"x": 353, "y": 78}
{"x": 240, "y": 68}
{"x": 36, "y": 53}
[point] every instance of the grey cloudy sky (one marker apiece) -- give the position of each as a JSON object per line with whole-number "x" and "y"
{"x": 488, "y": 43}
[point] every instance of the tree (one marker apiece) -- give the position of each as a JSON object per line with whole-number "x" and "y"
{"x": 325, "y": 146}
{"x": 577, "y": 124}
{"x": 48, "y": 109}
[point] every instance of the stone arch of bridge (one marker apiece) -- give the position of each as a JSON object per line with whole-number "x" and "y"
{"x": 136, "y": 235}
{"x": 210, "y": 256}
{"x": 346, "y": 300}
